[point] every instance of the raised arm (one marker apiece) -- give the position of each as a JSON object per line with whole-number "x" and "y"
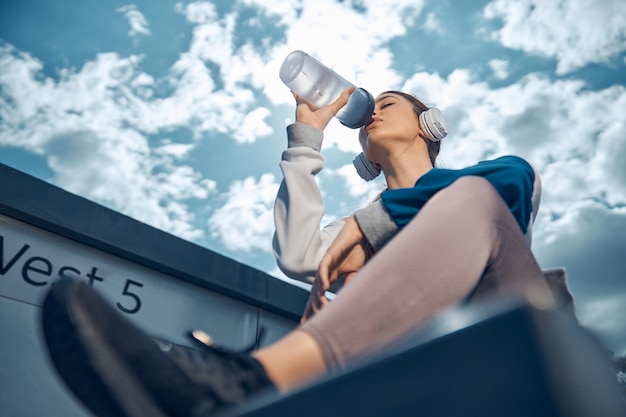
{"x": 298, "y": 242}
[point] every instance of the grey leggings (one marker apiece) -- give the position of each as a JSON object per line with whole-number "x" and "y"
{"x": 464, "y": 244}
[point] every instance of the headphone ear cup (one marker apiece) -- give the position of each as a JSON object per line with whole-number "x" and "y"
{"x": 434, "y": 124}
{"x": 365, "y": 168}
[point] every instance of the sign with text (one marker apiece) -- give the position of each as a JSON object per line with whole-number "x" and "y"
{"x": 32, "y": 259}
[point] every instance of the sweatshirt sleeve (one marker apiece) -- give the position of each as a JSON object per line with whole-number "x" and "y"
{"x": 376, "y": 224}
{"x": 299, "y": 243}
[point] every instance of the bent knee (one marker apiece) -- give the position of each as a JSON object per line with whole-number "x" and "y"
{"x": 470, "y": 193}
{"x": 473, "y": 185}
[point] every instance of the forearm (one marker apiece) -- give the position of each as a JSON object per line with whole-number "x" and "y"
{"x": 298, "y": 242}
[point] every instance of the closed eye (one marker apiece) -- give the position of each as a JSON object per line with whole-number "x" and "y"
{"x": 386, "y": 105}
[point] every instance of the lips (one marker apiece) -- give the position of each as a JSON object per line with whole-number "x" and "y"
{"x": 372, "y": 123}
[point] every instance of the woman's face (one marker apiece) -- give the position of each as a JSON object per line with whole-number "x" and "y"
{"x": 394, "y": 123}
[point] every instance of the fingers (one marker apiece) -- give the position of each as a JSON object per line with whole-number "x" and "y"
{"x": 349, "y": 277}
{"x": 319, "y": 117}
{"x": 297, "y": 97}
{"x": 301, "y": 100}
{"x": 308, "y": 312}
{"x": 317, "y": 300}
{"x": 342, "y": 100}
{"x": 323, "y": 273}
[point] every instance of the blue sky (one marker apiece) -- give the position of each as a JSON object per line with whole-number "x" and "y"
{"x": 172, "y": 112}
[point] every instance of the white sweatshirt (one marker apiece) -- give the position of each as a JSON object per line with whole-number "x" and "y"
{"x": 299, "y": 243}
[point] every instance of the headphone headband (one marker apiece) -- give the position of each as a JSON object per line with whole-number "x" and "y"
{"x": 365, "y": 168}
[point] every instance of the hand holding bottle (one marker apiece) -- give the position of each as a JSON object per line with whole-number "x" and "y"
{"x": 319, "y": 117}
{"x": 321, "y": 86}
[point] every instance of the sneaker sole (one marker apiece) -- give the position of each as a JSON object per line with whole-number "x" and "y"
{"x": 110, "y": 365}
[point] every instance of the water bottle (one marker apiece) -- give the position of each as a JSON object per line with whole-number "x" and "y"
{"x": 320, "y": 85}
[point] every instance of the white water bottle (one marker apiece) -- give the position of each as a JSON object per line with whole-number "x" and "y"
{"x": 320, "y": 85}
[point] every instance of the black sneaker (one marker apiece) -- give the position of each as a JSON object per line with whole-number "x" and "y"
{"x": 118, "y": 371}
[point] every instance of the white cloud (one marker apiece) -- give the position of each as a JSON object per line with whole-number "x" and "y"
{"x": 253, "y": 126}
{"x": 588, "y": 240}
{"x": 175, "y": 150}
{"x": 500, "y": 68}
{"x": 212, "y": 37}
{"x": 432, "y": 23}
{"x": 120, "y": 91}
{"x": 199, "y": 102}
{"x": 604, "y": 316}
{"x": 527, "y": 118}
{"x": 229, "y": 108}
{"x": 198, "y": 12}
{"x": 88, "y": 126}
{"x": 246, "y": 221}
{"x": 121, "y": 172}
{"x": 357, "y": 31}
{"x": 356, "y": 187}
{"x": 136, "y": 20}
{"x": 574, "y": 32}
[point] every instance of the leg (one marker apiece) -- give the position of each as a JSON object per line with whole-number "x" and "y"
{"x": 464, "y": 243}
{"x": 293, "y": 360}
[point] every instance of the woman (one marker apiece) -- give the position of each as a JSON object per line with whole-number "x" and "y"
{"x": 440, "y": 237}
{"x": 397, "y": 144}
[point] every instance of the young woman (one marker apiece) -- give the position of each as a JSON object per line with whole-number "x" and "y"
{"x": 435, "y": 238}
{"x": 396, "y": 142}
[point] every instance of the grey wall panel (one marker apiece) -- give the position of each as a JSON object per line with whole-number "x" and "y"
{"x": 28, "y": 385}
{"x": 276, "y": 326}
{"x": 161, "y": 305}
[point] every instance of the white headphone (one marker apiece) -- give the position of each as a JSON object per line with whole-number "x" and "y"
{"x": 435, "y": 128}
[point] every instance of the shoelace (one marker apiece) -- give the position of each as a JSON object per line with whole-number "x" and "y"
{"x": 229, "y": 376}
{"x": 210, "y": 360}
{"x": 204, "y": 340}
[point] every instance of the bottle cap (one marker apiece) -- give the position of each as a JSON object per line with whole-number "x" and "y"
{"x": 367, "y": 112}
